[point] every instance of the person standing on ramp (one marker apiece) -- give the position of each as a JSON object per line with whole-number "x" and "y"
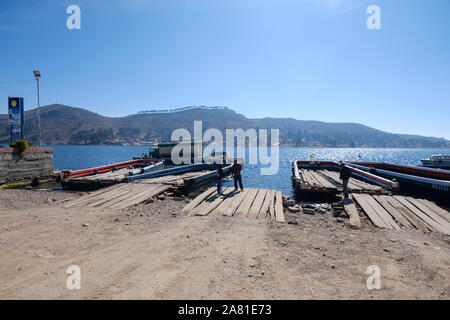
{"x": 236, "y": 170}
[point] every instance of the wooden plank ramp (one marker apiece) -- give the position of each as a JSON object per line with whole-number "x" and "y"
{"x": 396, "y": 212}
{"x": 250, "y": 203}
{"x": 371, "y": 213}
{"x": 117, "y": 196}
{"x": 435, "y": 208}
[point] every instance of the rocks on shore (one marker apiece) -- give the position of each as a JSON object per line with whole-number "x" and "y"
{"x": 287, "y": 203}
{"x": 309, "y": 211}
{"x": 295, "y": 208}
{"x": 312, "y": 209}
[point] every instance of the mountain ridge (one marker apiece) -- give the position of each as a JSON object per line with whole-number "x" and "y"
{"x": 61, "y": 124}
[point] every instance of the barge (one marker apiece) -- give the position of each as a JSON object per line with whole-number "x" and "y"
{"x": 409, "y": 176}
{"x": 323, "y": 176}
{"x": 437, "y": 161}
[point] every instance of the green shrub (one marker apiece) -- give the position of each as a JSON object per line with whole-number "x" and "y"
{"x": 19, "y": 146}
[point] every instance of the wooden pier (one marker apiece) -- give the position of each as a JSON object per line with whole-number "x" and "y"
{"x": 400, "y": 212}
{"x": 118, "y": 196}
{"x": 323, "y": 177}
{"x": 328, "y": 181}
{"x": 123, "y": 195}
{"x": 250, "y": 203}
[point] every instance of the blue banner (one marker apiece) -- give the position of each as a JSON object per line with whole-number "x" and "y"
{"x": 15, "y": 111}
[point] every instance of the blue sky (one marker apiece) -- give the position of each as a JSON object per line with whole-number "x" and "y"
{"x": 304, "y": 59}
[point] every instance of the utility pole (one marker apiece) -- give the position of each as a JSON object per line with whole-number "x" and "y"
{"x": 37, "y": 74}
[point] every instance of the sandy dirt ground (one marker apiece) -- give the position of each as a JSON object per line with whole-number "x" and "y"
{"x": 152, "y": 251}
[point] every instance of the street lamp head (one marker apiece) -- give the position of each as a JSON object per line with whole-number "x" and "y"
{"x": 37, "y": 74}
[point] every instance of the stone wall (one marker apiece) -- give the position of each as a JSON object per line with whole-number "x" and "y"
{"x": 37, "y": 162}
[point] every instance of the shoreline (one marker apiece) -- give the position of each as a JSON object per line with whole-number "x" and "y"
{"x": 285, "y": 146}
{"x": 153, "y": 251}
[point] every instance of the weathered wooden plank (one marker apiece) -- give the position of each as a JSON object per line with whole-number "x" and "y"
{"x": 311, "y": 179}
{"x": 363, "y": 185}
{"x": 352, "y": 212}
{"x": 236, "y": 202}
{"x": 387, "y": 218}
{"x": 324, "y": 182}
{"x": 253, "y": 212}
{"x": 398, "y": 216}
{"x": 195, "y": 202}
{"x": 135, "y": 192}
{"x": 353, "y": 183}
{"x": 110, "y": 196}
{"x": 279, "y": 214}
{"x": 203, "y": 204}
{"x": 424, "y": 217}
{"x": 246, "y": 203}
{"x": 116, "y": 195}
{"x": 372, "y": 214}
{"x": 442, "y": 222}
{"x": 329, "y": 178}
{"x": 231, "y": 194}
{"x": 435, "y": 208}
{"x": 94, "y": 198}
{"x": 335, "y": 177}
{"x": 265, "y": 206}
{"x": 272, "y": 205}
{"x": 411, "y": 217}
{"x": 89, "y": 195}
{"x": 214, "y": 203}
{"x": 141, "y": 198}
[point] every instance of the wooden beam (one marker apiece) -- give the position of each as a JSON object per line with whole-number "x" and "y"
{"x": 226, "y": 203}
{"x": 265, "y": 206}
{"x": 352, "y": 212}
{"x": 442, "y": 222}
{"x": 372, "y": 214}
{"x": 215, "y": 201}
{"x": 424, "y": 217}
{"x": 435, "y": 208}
{"x": 195, "y": 202}
{"x": 272, "y": 205}
{"x": 398, "y": 216}
{"x": 77, "y": 200}
{"x": 253, "y": 212}
{"x": 411, "y": 217}
{"x": 114, "y": 196}
{"x": 120, "y": 190}
{"x": 135, "y": 193}
{"x": 311, "y": 180}
{"x": 235, "y": 203}
{"x": 279, "y": 214}
{"x": 324, "y": 182}
{"x": 387, "y": 218}
{"x": 246, "y": 203}
{"x": 141, "y": 198}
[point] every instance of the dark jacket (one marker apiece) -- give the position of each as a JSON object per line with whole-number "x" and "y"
{"x": 345, "y": 173}
{"x": 236, "y": 169}
{"x": 219, "y": 171}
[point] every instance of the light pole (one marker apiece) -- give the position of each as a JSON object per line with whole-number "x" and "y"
{"x": 37, "y": 74}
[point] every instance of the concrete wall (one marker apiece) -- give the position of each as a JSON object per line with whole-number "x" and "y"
{"x": 37, "y": 162}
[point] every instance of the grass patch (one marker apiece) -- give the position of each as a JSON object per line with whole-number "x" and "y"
{"x": 17, "y": 185}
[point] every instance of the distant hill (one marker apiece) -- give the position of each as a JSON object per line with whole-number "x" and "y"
{"x": 68, "y": 125}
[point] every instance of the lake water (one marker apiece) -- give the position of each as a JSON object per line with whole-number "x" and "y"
{"x": 81, "y": 157}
